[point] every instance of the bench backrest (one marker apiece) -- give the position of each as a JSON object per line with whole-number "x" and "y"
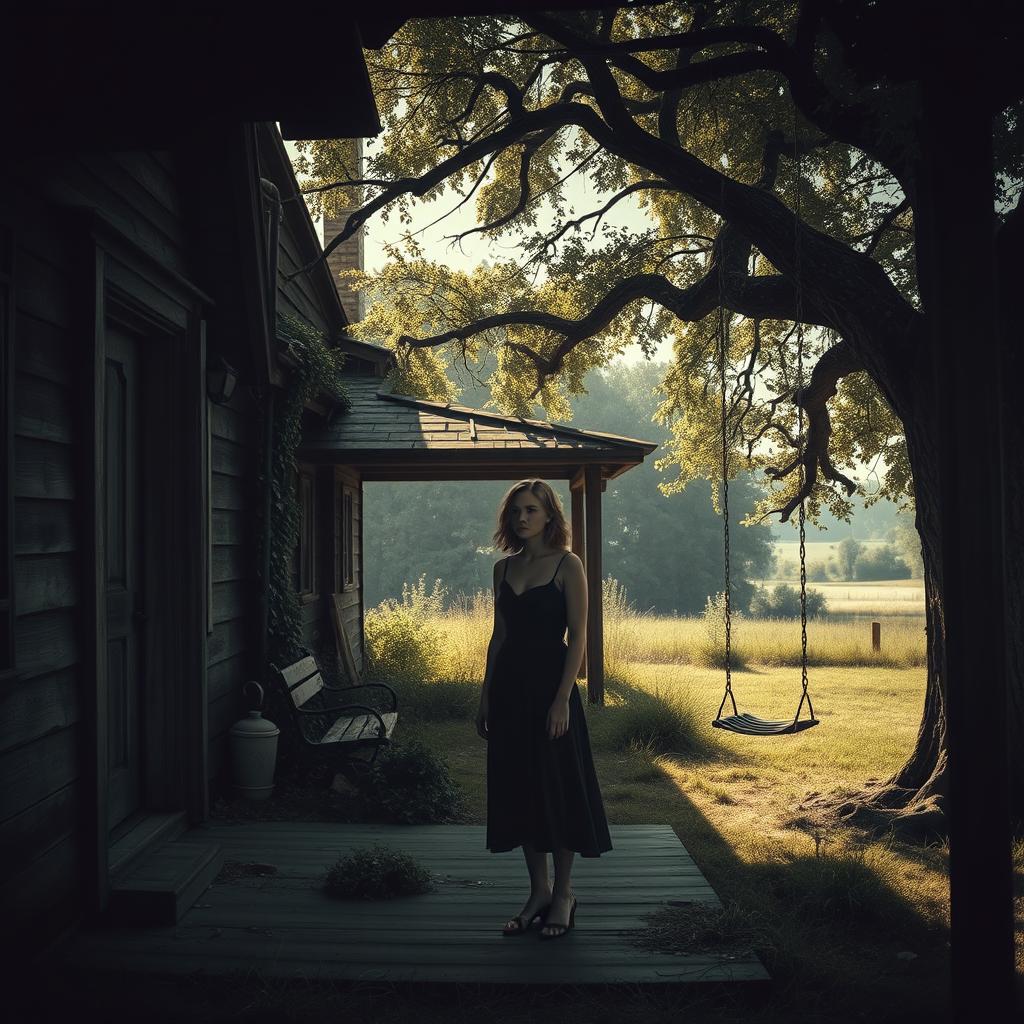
{"x": 303, "y": 680}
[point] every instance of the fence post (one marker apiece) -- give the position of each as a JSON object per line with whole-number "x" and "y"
{"x": 876, "y": 636}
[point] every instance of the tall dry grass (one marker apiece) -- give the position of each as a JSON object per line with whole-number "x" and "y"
{"x": 632, "y": 636}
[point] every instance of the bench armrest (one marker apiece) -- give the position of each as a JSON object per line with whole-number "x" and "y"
{"x": 360, "y": 686}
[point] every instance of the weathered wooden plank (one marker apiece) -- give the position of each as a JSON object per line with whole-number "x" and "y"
{"x": 302, "y": 669}
{"x": 231, "y": 458}
{"x": 231, "y": 526}
{"x": 44, "y": 527}
{"x": 223, "y": 713}
{"x": 35, "y": 771}
{"x": 226, "y": 677}
{"x": 158, "y": 180}
{"x": 43, "y": 469}
{"x": 42, "y": 409}
{"x": 232, "y": 600}
{"x": 46, "y": 642}
{"x": 42, "y": 349}
{"x": 216, "y": 757}
{"x": 231, "y": 425}
{"x": 229, "y": 492}
{"x": 232, "y": 562}
{"x": 38, "y": 828}
{"x": 45, "y": 582}
{"x": 32, "y": 708}
{"x": 227, "y": 640}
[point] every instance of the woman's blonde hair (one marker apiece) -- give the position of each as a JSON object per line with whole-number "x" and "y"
{"x": 556, "y": 532}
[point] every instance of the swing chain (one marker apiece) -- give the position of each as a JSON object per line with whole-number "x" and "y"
{"x": 723, "y": 345}
{"x": 798, "y": 271}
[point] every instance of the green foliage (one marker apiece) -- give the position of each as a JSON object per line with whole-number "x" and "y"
{"x": 783, "y": 602}
{"x": 882, "y": 563}
{"x": 318, "y": 370}
{"x": 665, "y": 550}
{"x": 402, "y": 643}
{"x": 410, "y": 784}
{"x": 377, "y": 874}
{"x": 847, "y": 554}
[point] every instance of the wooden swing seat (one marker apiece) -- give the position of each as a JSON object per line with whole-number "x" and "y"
{"x": 751, "y": 725}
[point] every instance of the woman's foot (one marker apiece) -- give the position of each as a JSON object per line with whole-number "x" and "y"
{"x": 557, "y": 920}
{"x": 536, "y": 904}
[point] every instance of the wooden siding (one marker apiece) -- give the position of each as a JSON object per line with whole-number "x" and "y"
{"x": 298, "y": 296}
{"x": 234, "y": 461}
{"x": 41, "y": 706}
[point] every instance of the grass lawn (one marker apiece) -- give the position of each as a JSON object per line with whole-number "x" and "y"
{"x": 835, "y": 920}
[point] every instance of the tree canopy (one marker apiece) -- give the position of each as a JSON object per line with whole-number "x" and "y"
{"x": 758, "y": 153}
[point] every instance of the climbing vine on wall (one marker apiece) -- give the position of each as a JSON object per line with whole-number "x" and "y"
{"x": 317, "y": 371}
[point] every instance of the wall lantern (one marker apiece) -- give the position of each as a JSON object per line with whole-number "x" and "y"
{"x": 220, "y": 381}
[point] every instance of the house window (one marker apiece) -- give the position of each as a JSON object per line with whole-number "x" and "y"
{"x": 344, "y": 565}
{"x": 7, "y": 448}
{"x": 303, "y": 566}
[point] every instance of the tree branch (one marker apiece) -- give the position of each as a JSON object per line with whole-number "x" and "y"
{"x": 836, "y": 363}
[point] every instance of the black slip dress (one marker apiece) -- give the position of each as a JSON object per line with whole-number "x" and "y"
{"x": 539, "y": 790}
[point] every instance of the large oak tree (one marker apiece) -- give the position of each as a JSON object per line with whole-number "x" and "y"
{"x": 773, "y": 149}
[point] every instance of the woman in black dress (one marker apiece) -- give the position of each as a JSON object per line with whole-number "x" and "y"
{"x": 542, "y": 790}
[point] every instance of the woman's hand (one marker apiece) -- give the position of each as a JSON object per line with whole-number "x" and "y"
{"x": 558, "y": 718}
{"x": 481, "y": 717}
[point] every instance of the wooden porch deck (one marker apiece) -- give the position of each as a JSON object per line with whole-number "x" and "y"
{"x": 285, "y": 926}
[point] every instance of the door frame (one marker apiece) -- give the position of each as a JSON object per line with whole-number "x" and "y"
{"x": 127, "y": 285}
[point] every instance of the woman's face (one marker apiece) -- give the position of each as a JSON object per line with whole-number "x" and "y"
{"x": 527, "y": 516}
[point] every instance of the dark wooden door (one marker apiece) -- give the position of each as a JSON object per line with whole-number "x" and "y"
{"x": 124, "y": 573}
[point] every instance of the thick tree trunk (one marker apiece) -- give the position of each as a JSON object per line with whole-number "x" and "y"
{"x": 911, "y": 803}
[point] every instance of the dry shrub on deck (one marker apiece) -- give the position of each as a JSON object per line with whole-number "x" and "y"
{"x": 377, "y": 874}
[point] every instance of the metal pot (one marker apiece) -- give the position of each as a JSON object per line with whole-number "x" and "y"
{"x": 253, "y": 744}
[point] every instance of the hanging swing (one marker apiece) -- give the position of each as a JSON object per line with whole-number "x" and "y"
{"x": 746, "y": 724}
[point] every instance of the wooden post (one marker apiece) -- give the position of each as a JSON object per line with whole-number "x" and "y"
{"x": 876, "y": 636}
{"x": 579, "y": 547}
{"x": 595, "y": 617}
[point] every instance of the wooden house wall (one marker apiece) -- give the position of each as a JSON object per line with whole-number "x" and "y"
{"x": 42, "y": 732}
{"x": 298, "y": 297}
{"x": 235, "y": 446}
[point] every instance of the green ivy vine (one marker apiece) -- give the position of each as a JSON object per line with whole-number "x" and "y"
{"x": 318, "y": 370}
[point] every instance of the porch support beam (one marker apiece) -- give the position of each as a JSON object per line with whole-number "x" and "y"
{"x": 579, "y": 547}
{"x": 595, "y": 612}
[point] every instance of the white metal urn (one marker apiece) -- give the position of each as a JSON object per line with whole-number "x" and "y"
{"x": 253, "y": 745}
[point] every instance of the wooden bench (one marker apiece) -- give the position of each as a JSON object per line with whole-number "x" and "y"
{"x": 326, "y": 722}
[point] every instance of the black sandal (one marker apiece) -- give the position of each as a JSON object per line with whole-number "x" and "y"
{"x": 565, "y": 927}
{"x": 525, "y": 927}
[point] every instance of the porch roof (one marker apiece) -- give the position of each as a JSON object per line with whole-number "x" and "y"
{"x": 397, "y": 437}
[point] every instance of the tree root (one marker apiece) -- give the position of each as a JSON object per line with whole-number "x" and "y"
{"x": 878, "y": 809}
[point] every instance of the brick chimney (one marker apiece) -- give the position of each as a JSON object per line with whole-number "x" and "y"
{"x": 348, "y": 255}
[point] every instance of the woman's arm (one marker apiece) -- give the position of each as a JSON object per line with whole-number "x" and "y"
{"x": 497, "y": 633}
{"x": 574, "y": 583}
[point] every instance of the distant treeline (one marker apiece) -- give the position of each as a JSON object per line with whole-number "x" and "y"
{"x": 665, "y": 550}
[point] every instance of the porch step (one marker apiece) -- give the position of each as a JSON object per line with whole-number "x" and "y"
{"x": 159, "y": 887}
{"x": 146, "y": 834}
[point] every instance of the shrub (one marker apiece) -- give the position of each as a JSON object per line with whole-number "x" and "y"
{"x": 402, "y": 643}
{"x": 660, "y": 725}
{"x": 710, "y": 648}
{"x": 409, "y": 784}
{"x": 783, "y": 602}
{"x": 882, "y": 563}
{"x": 377, "y": 874}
